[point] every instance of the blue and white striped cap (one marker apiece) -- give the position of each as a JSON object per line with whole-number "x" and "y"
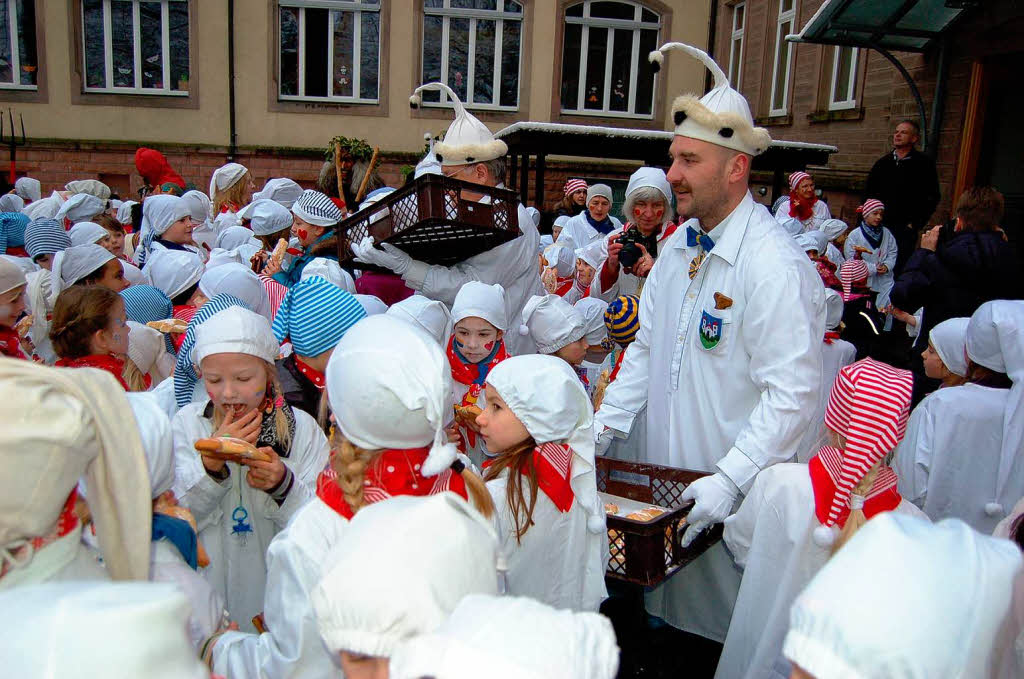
{"x": 144, "y": 304}
{"x": 317, "y": 209}
{"x": 45, "y": 237}
{"x": 12, "y": 229}
{"x": 315, "y": 315}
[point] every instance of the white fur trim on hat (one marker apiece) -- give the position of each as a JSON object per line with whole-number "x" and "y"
{"x": 467, "y": 140}
{"x": 721, "y": 117}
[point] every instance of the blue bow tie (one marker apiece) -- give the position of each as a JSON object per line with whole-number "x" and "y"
{"x": 693, "y": 236}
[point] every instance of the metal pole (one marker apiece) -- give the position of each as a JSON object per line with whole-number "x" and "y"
{"x": 939, "y": 100}
{"x": 233, "y": 136}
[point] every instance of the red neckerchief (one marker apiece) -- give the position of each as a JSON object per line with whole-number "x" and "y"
{"x": 469, "y": 373}
{"x": 111, "y": 364}
{"x": 314, "y": 376}
{"x": 553, "y": 462}
{"x": 827, "y": 466}
{"x": 564, "y": 286}
{"x": 831, "y": 337}
{"x": 392, "y": 473}
{"x": 827, "y": 272}
{"x": 582, "y": 374}
{"x": 66, "y": 522}
{"x": 228, "y": 207}
{"x": 10, "y": 344}
{"x": 803, "y": 211}
{"x": 183, "y": 312}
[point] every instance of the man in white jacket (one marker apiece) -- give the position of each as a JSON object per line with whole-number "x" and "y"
{"x": 470, "y": 153}
{"x": 728, "y": 355}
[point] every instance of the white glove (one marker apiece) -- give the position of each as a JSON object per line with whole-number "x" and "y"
{"x": 602, "y": 439}
{"x": 714, "y": 496}
{"x": 389, "y": 258}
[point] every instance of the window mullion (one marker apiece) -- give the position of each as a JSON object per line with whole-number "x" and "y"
{"x": 165, "y": 44}
{"x": 851, "y": 96}
{"x": 137, "y": 44}
{"x": 609, "y": 42}
{"x": 12, "y": 37}
{"x": 499, "y": 31}
{"x": 357, "y": 49}
{"x": 470, "y": 66}
{"x": 330, "y": 53}
{"x": 634, "y": 63}
{"x": 584, "y": 53}
{"x": 444, "y": 57}
{"x": 302, "y": 52}
{"x": 108, "y": 46}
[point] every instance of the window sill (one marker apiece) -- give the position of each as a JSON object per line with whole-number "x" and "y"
{"x": 774, "y": 121}
{"x": 186, "y": 100}
{"x": 23, "y": 95}
{"x": 636, "y": 122}
{"x": 836, "y": 116}
{"x": 437, "y": 112}
{"x": 311, "y": 105}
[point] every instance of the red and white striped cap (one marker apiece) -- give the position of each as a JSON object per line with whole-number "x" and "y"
{"x": 852, "y": 271}
{"x": 574, "y": 185}
{"x": 796, "y": 178}
{"x": 869, "y": 206}
{"x": 869, "y": 406}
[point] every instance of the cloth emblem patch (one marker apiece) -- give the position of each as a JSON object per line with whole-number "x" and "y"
{"x": 710, "y": 330}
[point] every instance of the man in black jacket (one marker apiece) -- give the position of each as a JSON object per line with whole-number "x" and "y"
{"x": 906, "y": 181}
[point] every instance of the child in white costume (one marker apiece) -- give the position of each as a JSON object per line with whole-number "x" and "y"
{"x": 395, "y": 423}
{"x": 539, "y": 423}
{"x": 878, "y": 248}
{"x": 961, "y": 457}
{"x": 241, "y": 507}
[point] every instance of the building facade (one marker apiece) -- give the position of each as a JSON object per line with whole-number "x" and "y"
{"x": 853, "y": 98}
{"x": 271, "y": 82}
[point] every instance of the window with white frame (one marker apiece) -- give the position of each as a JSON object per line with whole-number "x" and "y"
{"x": 604, "y": 59}
{"x": 473, "y": 46}
{"x": 329, "y": 50}
{"x": 136, "y": 46}
{"x": 739, "y": 15}
{"x": 18, "y": 65}
{"x": 843, "y": 93}
{"x": 783, "y": 58}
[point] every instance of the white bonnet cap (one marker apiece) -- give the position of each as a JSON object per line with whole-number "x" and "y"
{"x": 238, "y": 281}
{"x": 226, "y": 176}
{"x": 833, "y": 228}
{"x": 593, "y": 254}
{"x": 551, "y": 322}
{"x": 93, "y": 187}
{"x": 812, "y": 240}
{"x": 220, "y": 257}
{"x": 430, "y": 315}
{"x": 235, "y": 330}
{"x": 511, "y": 638}
{"x": 157, "y": 442}
{"x": 906, "y": 598}
{"x": 93, "y": 630}
{"x": 266, "y": 216}
{"x": 75, "y": 263}
{"x": 80, "y": 207}
{"x": 174, "y": 271}
{"x": 950, "y": 341}
{"x": 833, "y": 309}
{"x": 401, "y": 568}
{"x": 85, "y": 233}
{"x": 592, "y": 309}
{"x": 482, "y": 301}
{"x": 124, "y": 211}
{"x": 198, "y": 204}
{"x": 28, "y": 188}
{"x": 548, "y": 398}
{"x": 652, "y": 177}
{"x": 329, "y": 270}
{"x": 371, "y": 304}
{"x": 534, "y": 215}
{"x": 145, "y": 345}
{"x": 561, "y": 257}
{"x": 281, "y": 190}
{"x": 11, "y": 276}
{"x": 389, "y": 386}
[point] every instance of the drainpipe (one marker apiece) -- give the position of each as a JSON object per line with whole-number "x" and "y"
{"x": 939, "y": 100}
{"x": 712, "y": 29}
{"x": 233, "y": 135}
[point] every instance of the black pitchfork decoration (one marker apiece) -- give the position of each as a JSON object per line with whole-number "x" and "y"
{"x": 12, "y": 140}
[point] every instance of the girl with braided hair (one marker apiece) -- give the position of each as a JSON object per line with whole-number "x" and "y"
{"x": 389, "y": 389}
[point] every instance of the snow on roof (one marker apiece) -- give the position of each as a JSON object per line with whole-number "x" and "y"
{"x": 627, "y": 133}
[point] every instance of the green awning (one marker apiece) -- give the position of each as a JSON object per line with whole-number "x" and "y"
{"x": 898, "y": 25}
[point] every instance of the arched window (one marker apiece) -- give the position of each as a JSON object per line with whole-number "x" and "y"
{"x": 474, "y": 46}
{"x": 604, "y": 59}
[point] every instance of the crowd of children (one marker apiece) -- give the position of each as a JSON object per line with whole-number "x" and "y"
{"x": 420, "y": 497}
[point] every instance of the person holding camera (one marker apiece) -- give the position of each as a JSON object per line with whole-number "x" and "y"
{"x": 629, "y": 252}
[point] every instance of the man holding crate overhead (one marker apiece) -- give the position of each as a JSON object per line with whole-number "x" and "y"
{"x": 470, "y": 153}
{"x": 728, "y": 355}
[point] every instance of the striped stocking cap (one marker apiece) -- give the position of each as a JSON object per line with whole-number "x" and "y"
{"x": 622, "y": 318}
{"x": 869, "y": 206}
{"x": 796, "y": 178}
{"x": 852, "y": 271}
{"x": 185, "y": 376}
{"x": 315, "y": 315}
{"x": 869, "y": 406}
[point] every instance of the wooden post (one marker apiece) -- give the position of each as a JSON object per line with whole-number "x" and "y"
{"x": 366, "y": 177}
{"x": 338, "y": 173}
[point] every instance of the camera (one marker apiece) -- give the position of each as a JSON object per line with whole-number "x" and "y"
{"x": 630, "y": 254}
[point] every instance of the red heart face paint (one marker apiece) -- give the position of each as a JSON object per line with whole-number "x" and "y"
{"x": 301, "y": 234}
{"x": 489, "y": 346}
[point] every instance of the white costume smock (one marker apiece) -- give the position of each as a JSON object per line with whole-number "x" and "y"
{"x": 66, "y": 558}
{"x": 770, "y": 536}
{"x": 291, "y": 646}
{"x": 949, "y": 459}
{"x": 558, "y": 561}
{"x": 885, "y": 254}
{"x": 819, "y": 214}
{"x": 583, "y": 234}
{"x": 513, "y": 265}
{"x": 737, "y": 407}
{"x": 626, "y": 283}
{"x": 39, "y": 294}
{"x": 237, "y": 567}
{"x": 834, "y": 357}
{"x": 208, "y": 614}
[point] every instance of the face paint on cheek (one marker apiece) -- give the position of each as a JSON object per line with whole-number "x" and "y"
{"x": 658, "y": 212}
{"x": 458, "y": 344}
{"x": 489, "y": 345}
{"x": 302, "y": 234}
{"x": 637, "y": 212}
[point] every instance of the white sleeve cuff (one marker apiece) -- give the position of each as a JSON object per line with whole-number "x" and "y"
{"x": 416, "y": 274}
{"x": 618, "y": 420}
{"x": 739, "y": 469}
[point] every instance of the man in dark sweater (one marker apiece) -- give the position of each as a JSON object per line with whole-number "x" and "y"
{"x": 906, "y": 181}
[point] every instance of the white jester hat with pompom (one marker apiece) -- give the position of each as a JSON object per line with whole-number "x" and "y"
{"x": 467, "y": 140}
